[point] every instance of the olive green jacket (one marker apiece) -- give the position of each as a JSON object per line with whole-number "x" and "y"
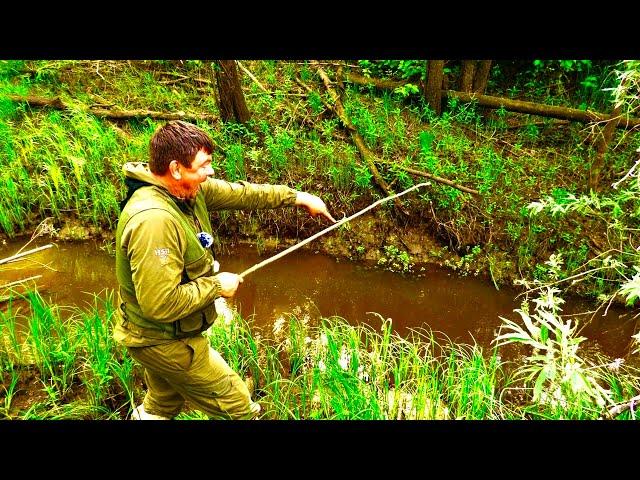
{"x": 166, "y": 279}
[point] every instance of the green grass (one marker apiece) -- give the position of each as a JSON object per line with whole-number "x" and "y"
{"x": 52, "y": 346}
{"x": 67, "y": 165}
{"x": 65, "y": 348}
{"x": 326, "y": 370}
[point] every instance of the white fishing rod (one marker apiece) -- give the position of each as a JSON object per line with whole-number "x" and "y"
{"x": 328, "y": 229}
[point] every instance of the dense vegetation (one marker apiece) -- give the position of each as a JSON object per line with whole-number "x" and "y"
{"x": 65, "y": 365}
{"x": 535, "y": 219}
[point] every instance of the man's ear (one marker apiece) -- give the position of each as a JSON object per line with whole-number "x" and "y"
{"x": 174, "y": 169}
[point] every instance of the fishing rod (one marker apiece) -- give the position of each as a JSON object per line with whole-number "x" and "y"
{"x": 328, "y": 229}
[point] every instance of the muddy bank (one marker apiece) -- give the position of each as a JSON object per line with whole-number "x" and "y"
{"x": 378, "y": 236}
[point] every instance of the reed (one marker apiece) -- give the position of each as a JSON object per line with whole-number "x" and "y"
{"x": 53, "y": 345}
{"x": 237, "y": 345}
{"x": 329, "y": 370}
{"x": 12, "y": 349}
{"x": 9, "y": 388}
{"x": 108, "y": 373}
{"x": 97, "y": 357}
{"x": 75, "y": 410}
{"x": 340, "y": 371}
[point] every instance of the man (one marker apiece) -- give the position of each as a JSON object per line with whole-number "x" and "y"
{"x": 165, "y": 270}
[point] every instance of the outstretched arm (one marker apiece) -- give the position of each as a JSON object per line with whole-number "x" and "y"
{"x": 223, "y": 195}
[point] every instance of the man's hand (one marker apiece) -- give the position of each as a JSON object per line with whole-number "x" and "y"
{"x": 313, "y": 204}
{"x": 228, "y": 283}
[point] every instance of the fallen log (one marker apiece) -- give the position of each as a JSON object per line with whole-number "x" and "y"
{"x": 435, "y": 178}
{"x": 365, "y": 153}
{"x": 39, "y": 101}
{"x": 140, "y": 114}
{"x": 252, "y": 77}
{"x": 564, "y": 113}
{"x": 532, "y": 108}
{"x": 58, "y": 104}
{"x": 618, "y": 409}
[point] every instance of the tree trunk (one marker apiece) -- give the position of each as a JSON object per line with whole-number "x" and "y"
{"x": 466, "y": 75}
{"x": 603, "y": 141}
{"x": 481, "y": 76}
{"x": 231, "y": 102}
{"x": 433, "y": 87}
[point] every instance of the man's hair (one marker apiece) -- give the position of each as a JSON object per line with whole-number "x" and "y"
{"x": 176, "y": 140}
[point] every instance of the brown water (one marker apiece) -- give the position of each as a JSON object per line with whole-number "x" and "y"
{"x": 305, "y": 283}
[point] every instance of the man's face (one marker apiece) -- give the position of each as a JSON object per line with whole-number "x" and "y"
{"x": 192, "y": 177}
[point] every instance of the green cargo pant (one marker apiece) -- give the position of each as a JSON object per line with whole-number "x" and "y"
{"x": 189, "y": 369}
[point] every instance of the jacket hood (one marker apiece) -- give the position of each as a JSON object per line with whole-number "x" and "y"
{"x": 140, "y": 171}
{"x": 137, "y": 175}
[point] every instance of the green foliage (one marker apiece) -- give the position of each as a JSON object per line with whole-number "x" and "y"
{"x": 562, "y": 382}
{"x": 561, "y": 196}
{"x": 630, "y": 289}
{"x": 76, "y": 170}
{"x": 618, "y": 214}
{"x": 343, "y": 171}
{"x": 564, "y": 65}
{"x": 278, "y": 147}
{"x": 403, "y": 69}
{"x": 367, "y": 125}
{"x": 513, "y": 230}
{"x": 406, "y": 90}
{"x": 462, "y": 112}
{"x": 232, "y": 338}
{"x": 626, "y": 92}
{"x": 232, "y": 131}
{"x": 330, "y": 370}
{"x": 531, "y": 132}
{"x": 427, "y": 157}
{"x": 8, "y": 111}
{"x": 315, "y": 102}
{"x": 234, "y": 163}
{"x": 363, "y": 176}
{"x": 573, "y": 83}
{"x": 68, "y": 351}
{"x": 492, "y": 168}
{"x": 9, "y": 388}
{"x": 395, "y": 259}
{"x": 52, "y": 347}
{"x": 10, "y": 68}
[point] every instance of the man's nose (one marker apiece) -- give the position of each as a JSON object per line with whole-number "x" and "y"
{"x": 208, "y": 171}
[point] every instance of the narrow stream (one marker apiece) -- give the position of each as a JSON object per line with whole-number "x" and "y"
{"x": 465, "y": 309}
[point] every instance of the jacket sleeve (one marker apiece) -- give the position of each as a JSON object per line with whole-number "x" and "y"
{"x": 155, "y": 244}
{"x": 223, "y": 195}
